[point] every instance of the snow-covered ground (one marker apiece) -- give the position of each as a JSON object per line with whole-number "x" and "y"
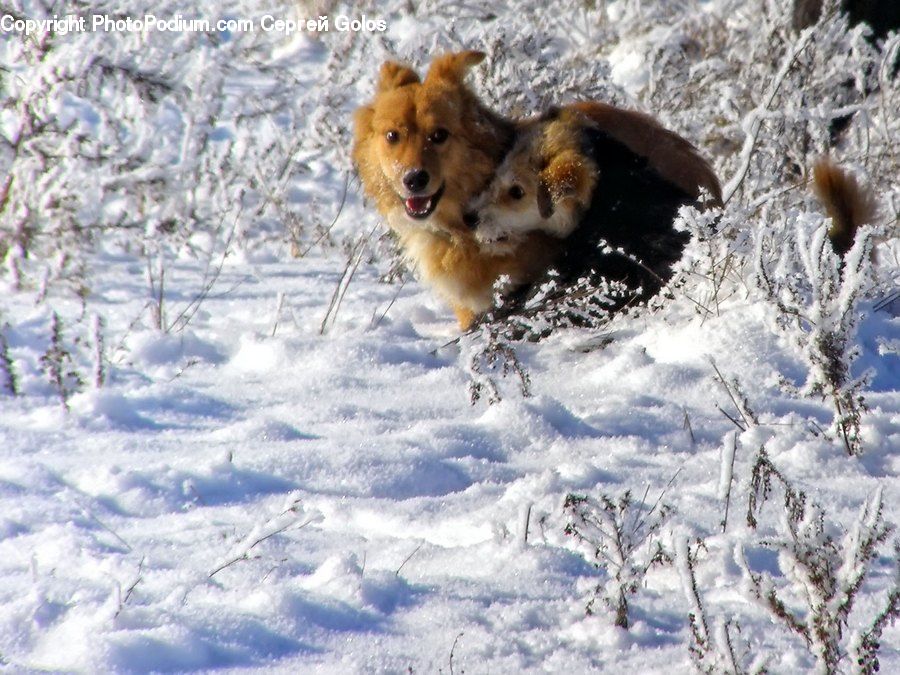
{"x": 249, "y": 494}
{"x": 397, "y": 511}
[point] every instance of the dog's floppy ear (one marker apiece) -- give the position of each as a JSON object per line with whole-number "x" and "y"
{"x": 395, "y": 75}
{"x": 566, "y": 175}
{"x": 453, "y": 67}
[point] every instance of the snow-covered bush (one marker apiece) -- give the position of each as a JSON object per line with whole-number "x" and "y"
{"x": 490, "y": 354}
{"x": 156, "y": 144}
{"x": 825, "y": 572}
{"x": 148, "y": 139}
{"x": 288, "y": 519}
{"x": 763, "y": 473}
{"x": 822, "y": 570}
{"x": 818, "y": 295}
{"x": 765, "y": 144}
{"x": 624, "y": 536}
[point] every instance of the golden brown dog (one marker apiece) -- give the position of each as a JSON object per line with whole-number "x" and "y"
{"x": 424, "y": 149}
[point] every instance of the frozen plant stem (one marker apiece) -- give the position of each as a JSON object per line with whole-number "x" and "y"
{"x": 58, "y": 364}
{"x": 711, "y": 652}
{"x": 99, "y": 368}
{"x": 267, "y": 530}
{"x": 738, "y": 399}
{"x": 211, "y": 275}
{"x": 726, "y": 475}
{"x": 128, "y": 593}
{"x": 279, "y": 303}
{"x": 9, "y": 381}
{"x": 408, "y": 558}
{"x": 156, "y": 281}
{"x": 453, "y": 650}
{"x": 353, "y": 262}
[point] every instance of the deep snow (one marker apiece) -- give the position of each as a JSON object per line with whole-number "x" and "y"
{"x": 407, "y": 528}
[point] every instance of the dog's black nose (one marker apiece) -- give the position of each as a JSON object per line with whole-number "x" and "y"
{"x": 416, "y": 180}
{"x": 471, "y": 219}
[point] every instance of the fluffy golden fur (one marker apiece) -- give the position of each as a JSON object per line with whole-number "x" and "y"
{"x": 424, "y": 149}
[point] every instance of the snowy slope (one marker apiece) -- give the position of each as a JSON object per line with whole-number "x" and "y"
{"x": 249, "y": 494}
{"x": 410, "y": 504}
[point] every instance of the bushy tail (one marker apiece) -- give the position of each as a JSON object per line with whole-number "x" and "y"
{"x": 849, "y": 203}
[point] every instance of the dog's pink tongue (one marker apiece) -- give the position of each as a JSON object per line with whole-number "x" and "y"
{"x": 417, "y": 204}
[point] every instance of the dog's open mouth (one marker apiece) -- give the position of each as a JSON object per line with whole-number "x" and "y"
{"x": 422, "y": 207}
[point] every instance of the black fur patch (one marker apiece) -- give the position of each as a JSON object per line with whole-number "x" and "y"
{"x": 632, "y": 209}
{"x": 544, "y": 200}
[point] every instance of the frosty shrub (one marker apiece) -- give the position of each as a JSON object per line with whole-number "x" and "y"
{"x": 824, "y": 570}
{"x": 142, "y": 139}
{"x": 488, "y": 353}
{"x": 289, "y": 518}
{"x": 625, "y": 539}
{"x": 825, "y": 89}
{"x": 818, "y": 295}
{"x": 763, "y": 475}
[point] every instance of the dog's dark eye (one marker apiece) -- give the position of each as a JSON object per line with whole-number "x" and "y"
{"x": 516, "y": 192}
{"x": 438, "y": 136}
{"x": 392, "y": 136}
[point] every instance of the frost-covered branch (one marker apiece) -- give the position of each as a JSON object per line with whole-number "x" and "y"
{"x": 752, "y": 122}
{"x": 625, "y": 542}
{"x": 284, "y": 521}
{"x": 827, "y": 574}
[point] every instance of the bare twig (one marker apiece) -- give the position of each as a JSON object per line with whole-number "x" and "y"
{"x": 245, "y": 554}
{"x": 687, "y": 426}
{"x": 337, "y": 215}
{"x": 527, "y": 523}
{"x": 453, "y": 649}
{"x": 731, "y": 419}
{"x": 209, "y": 280}
{"x": 353, "y": 262}
{"x": 742, "y": 407}
{"x": 408, "y": 558}
{"x": 279, "y": 303}
{"x": 730, "y": 481}
{"x": 379, "y": 319}
{"x": 130, "y": 590}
